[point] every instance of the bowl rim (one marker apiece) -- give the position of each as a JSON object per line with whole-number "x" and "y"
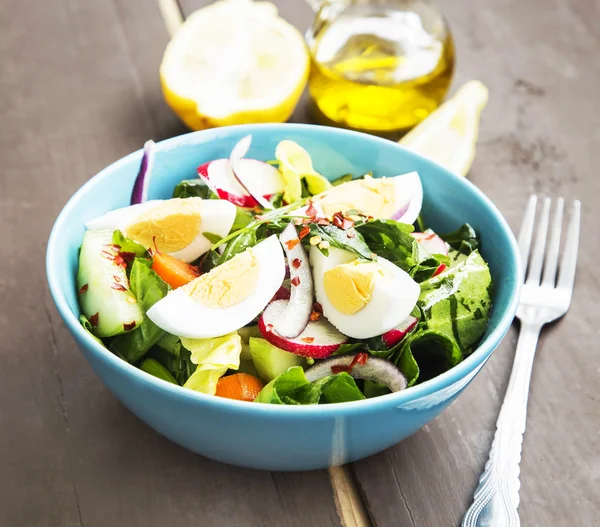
{"x": 438, "y": 383}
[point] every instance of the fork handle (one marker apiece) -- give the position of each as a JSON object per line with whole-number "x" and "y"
{"x": 497, "y": 496}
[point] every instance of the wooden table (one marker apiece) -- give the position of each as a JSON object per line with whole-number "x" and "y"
{"x": 79, "y": 89}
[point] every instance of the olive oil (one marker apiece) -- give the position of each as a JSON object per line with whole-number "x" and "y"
{"x": 380, "y": 69}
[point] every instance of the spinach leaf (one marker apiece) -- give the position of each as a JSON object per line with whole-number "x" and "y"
{"x": 420, "y": 224}
{"x": 292, "y": 387}
{"x": 83, "y": 320}
{"x": 212, "y": 237}
{"x": 242, "y": 218}
{"x": 349, "y": 239}
{"x": 374, "y": 389}
{"x": 208, "y": 260}
{"x": 153, "y": 367}
{"x": 239, "y": 244}
{"x": 177, "y": 364}
{"x": 148, "y": 289}
{"x": 464, "y": 239}
{"x": 193, "y": 188}
{"x": 276, "y": 200}
{"x": 426, "y": 354}
{"x": 457, "y": 302}
{"x": 428, "y": 267}
{"x": 129, "y": 246}
{"x": 391, "y": 240}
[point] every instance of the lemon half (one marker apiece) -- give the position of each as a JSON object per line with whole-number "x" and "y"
{"x": 449, "y": 135}
{"x": 234, "y": 62}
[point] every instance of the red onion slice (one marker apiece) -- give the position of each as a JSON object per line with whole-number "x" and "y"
{"x": 139, "y": 193}
{"x": 295, "y": 317}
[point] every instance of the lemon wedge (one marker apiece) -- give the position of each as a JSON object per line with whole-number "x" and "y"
{"x": 448, "y": 136}
{"x": 295, "y": 164}
{"x": 234, "y": 62}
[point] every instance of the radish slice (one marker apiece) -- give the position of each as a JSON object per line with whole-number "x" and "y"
{"x": 219, "y": 177}
{"x": 295, "y": 317}
{"x": 430, "y": 243}
{"x": 318, "y": 340}
{"x": 409, "y": 185}
{"x": 394, "y": 336}
{"x": 374, "y": 369}
{"x": 235, "y": 159}
{"x": 142, "y": 181}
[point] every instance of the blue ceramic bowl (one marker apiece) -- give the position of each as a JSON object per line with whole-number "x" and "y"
{"x": 270, "y": 436}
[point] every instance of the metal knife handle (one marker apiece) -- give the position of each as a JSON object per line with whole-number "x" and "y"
{"x": 497, "y": 496}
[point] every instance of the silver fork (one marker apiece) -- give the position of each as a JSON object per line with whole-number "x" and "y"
{"x": 543, "y": 299}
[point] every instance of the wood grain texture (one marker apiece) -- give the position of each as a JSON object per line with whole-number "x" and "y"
{"x": 79, "y": 89}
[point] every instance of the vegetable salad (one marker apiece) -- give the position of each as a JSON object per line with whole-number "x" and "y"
{"x": 263, "y": 281}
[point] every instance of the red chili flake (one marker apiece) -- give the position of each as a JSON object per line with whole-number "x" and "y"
{"x": 311, "y": 211}
{"x": 304, "y": 232}
{"x": 120, "y": 262}
{"x": 108, "y": 255}
{"x": 340, "y": 369}
{"x": 127, "y": 256}
{"x": 129, "y": 327}
{"x": 317, "y": 307}
{"x": 269, "y": 327}
{"x": 116, "y": 278}
{"x": 314, "y": 316}
{"x": 351, "y": 234}
{"x": 118, "y": 287}
{"x": 298, "y": 221}
{"x": 322, "y": 221}
{"x": 113, "y": 246}
{"x": 347, "y": 224}
{"x": 338, "y": 220}
{"x": 295, "y": 281}
{"x": 83, "y": 289}
{"x": 441, "y": 268}
{"x": 292, "y": 243}
{"x": 308, "y": 340}
{"x": 94, "y": 320}
{"x": 296, "y": 262}
{"x": 359, "y": 358}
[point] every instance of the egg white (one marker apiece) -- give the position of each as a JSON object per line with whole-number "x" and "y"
{"x": 179, "y": 314}
{"x": 217, "y": 217}
{"x": 392, "y": 299}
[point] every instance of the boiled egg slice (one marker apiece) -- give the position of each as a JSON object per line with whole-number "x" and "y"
{"x": 226, "y": 298}
{"x": 362, "y": 299}
{"x": 174, "y": 226}
{"x": 399, "y": 198}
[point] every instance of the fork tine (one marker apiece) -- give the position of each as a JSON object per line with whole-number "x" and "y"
{"x": 554, "y": 247}
{"x": 527, "y": 230}
{"x": 537, "y": 257}
{"x": 568, "y": 262}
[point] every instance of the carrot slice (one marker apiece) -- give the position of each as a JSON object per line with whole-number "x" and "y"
{"x": 240, "y": 386}
{"x": 173, "y": 271}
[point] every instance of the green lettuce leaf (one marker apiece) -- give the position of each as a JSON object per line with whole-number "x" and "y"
{"x": 148, "y": 289}
{"x": 426, "y": 354}
{"x": 292, "y": 387}
{"x": 213, "y": 358}
{"x": 391, "y": 240}
{"x": 457, "y": 302}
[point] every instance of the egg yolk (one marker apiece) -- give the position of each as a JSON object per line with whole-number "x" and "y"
{"x": 228, "y": 284}
{"x": 349, "y": 286}
{"x": 375, "y": 197}
{"x": 172, "y": 225}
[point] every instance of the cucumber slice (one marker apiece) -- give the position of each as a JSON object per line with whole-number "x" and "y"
{"x": 103, "y": 288}
{"x": 245, "y": 333}
{"x": 270, "y": 361}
